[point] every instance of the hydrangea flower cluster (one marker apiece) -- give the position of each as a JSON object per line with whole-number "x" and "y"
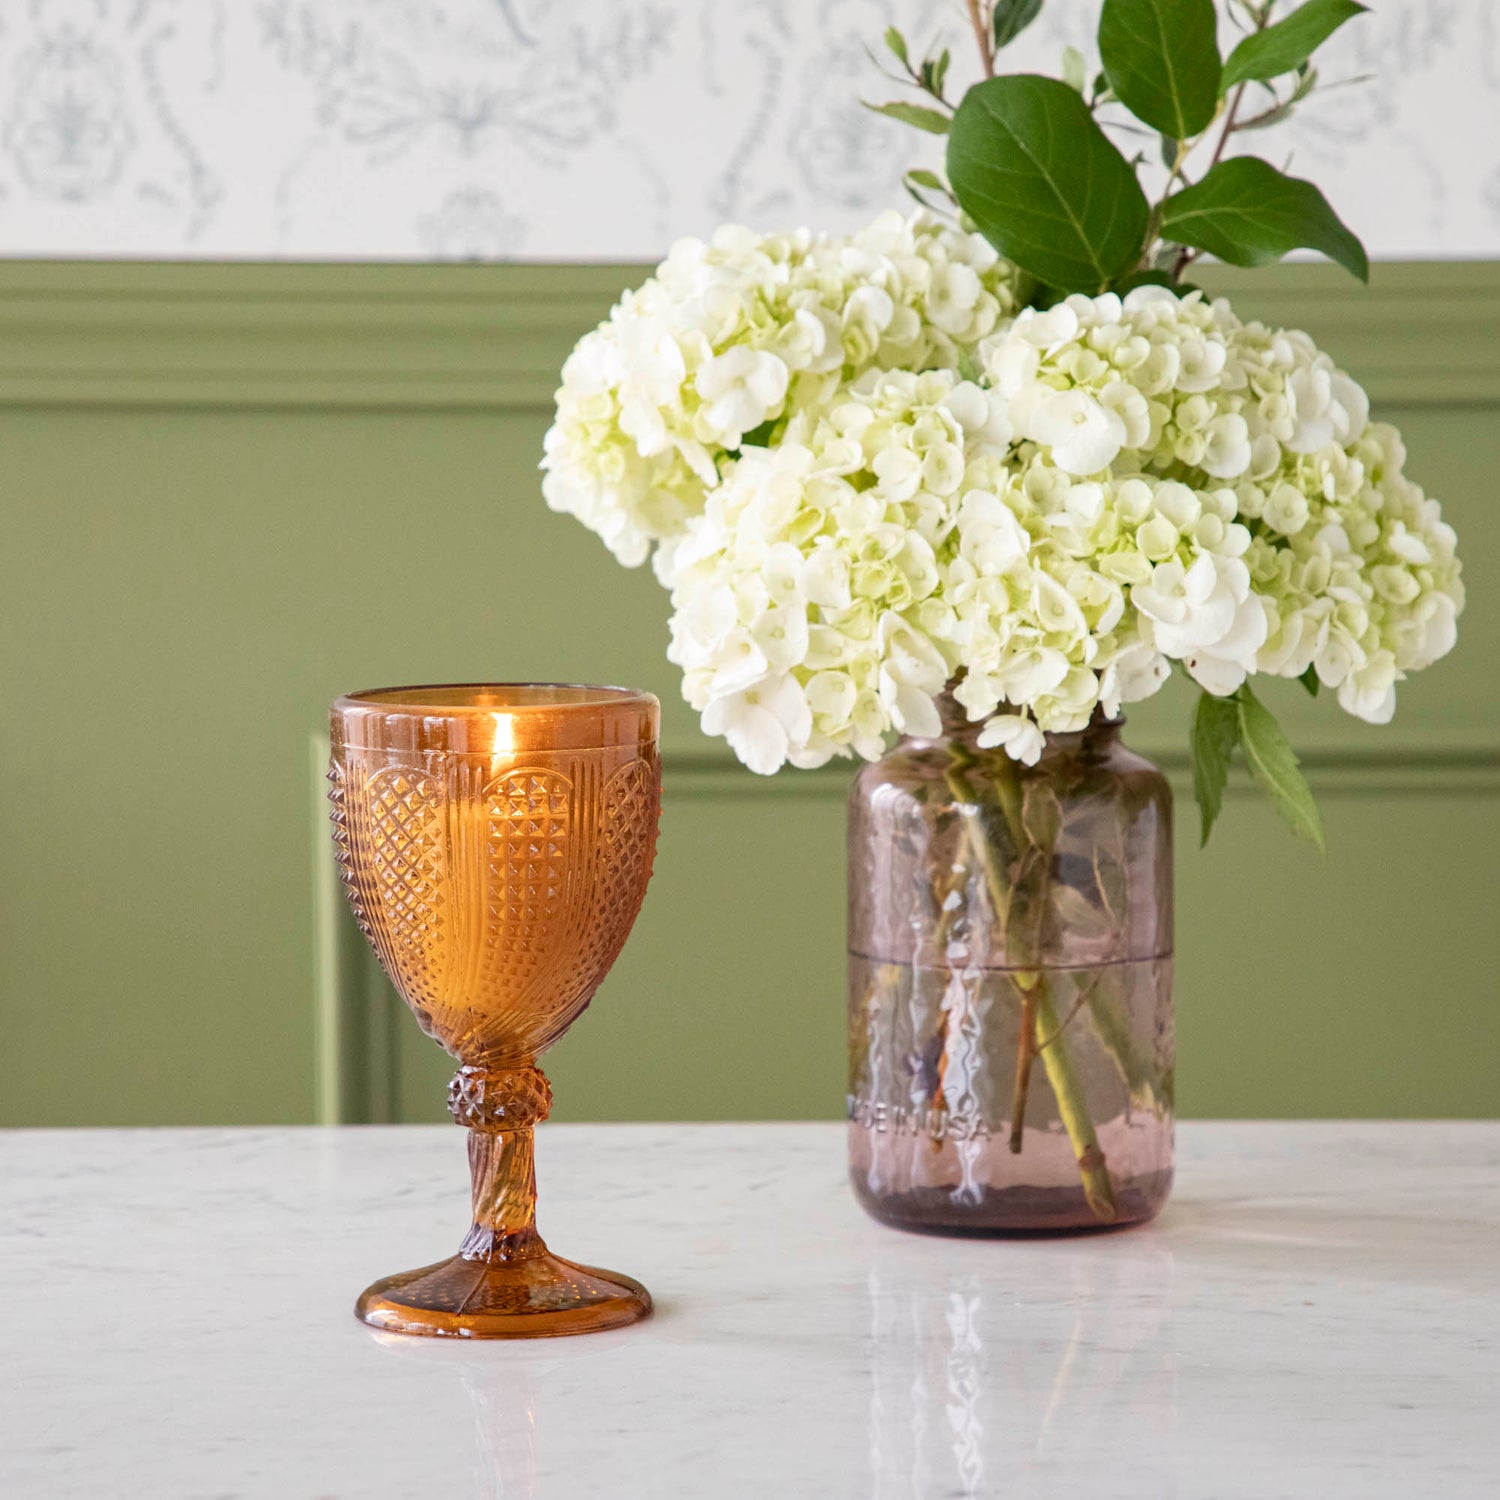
{"x": 810, "y": 610}
{"x": 734, "y": 334}
{"x": 1280, "y": 533}
{"x": 1126, "y": 483}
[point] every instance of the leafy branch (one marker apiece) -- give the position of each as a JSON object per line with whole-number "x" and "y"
{"x": 1031, "y": 166}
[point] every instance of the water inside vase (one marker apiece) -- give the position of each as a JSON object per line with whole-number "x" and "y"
{"x": 933, "y": 1095}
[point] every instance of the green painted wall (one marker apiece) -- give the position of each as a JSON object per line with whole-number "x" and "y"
{"x": 230, "y": 492}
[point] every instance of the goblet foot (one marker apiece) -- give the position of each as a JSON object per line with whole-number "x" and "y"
{"x": 541, "y": 1296}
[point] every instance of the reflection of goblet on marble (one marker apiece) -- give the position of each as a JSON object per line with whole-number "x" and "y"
{"x": 495, "y": 841}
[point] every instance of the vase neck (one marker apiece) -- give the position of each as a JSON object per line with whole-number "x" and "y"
{"x": 1099, "y": 732}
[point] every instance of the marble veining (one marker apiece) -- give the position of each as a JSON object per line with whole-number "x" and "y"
{"x": 1317, "y": 1314}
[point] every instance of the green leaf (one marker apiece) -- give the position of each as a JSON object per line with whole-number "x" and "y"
{"x": 1271, "y": 117}
{"x": 1269, "y": 755}
{"x": 1249, "y": 214}
{"x": 1307, "y": 81}
{"x": 1162, "y": 62}
{"x": 1309, "y": 680}
{"x": 1216, "y": 731}
{"x": 1011, "y": 18}
{"x": 897, "y": 43}
{"x": 759, "y": 437}
{"x": 1044, "y": 184}
{"x": 919, "y": 178}
{"x": 931, "y": 120}
{"x": 1074, "y": 70}
{"x": 1289, "y": 43}
{"x": 935, "y": 72}
{"x": 1041, "y": 814}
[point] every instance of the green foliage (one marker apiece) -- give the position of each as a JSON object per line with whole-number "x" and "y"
{"x": 1041, "y": 814}
{"x": 934, "y": 72}
{"x": 1032, "y": 168}
{"x": 1269, "y": 755}
{"x": 1249, "y": 214}
{"x": 1286, "y": 45}
{"x": 1011, "y": 18}
{"x": 760, "y": 437}
{"x": 934, "y": 121}
{"x": 1219, "y": 724}
{"x": 1307, "y": 81}
{"x": 1044, "y": 184}
{"x": 1216, "y": 731}
{"x": 1162, "y": 62}
{"x": 1074, "y": 70}
{"x": 1309, "y": 680}
{"x": 920, "y": 183}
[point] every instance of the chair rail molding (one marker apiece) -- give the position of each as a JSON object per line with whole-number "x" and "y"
{"x": 210, "y": 334}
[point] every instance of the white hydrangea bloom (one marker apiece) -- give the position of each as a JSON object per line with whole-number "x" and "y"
{"x": 730, "y": 335}
{"x": 1044, "y": 570}
{"x": 809, "y": 614}
{"x": 1281, "y": 533}
{"x": 1131, "y": 483}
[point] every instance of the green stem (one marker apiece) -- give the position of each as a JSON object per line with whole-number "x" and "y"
{"x": 979, "y": 20}
{"x": 1025, "y": 1055}
{"x": 1139, "y": 1076}
{"x": 1067, "y": 1087}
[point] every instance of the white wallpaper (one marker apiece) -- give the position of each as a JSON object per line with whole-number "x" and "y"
{"x": 603, "y": 129}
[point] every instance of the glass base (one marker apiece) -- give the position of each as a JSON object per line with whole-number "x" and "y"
{"x": 541, "y": 1296}
{"x": 996, "y": 1213}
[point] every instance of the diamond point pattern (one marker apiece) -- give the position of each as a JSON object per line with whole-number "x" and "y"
{"x": 496, "y": 904}
{"x": 404, "y": 812}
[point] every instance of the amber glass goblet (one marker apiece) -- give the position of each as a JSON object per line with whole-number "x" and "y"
{"x": 495, "y": 840}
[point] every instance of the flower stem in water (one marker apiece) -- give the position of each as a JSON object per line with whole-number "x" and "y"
{"x": 1041, "y": 1014}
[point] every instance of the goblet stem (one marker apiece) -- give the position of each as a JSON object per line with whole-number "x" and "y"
{"x": 504, "y": 1282}
{"x": 503, "y": 1170}
{"x": 501, "y": 1106}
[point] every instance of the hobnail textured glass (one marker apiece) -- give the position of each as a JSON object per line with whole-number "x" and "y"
{"x": 495, "y": 841}
{"x": 1010, "y": 970}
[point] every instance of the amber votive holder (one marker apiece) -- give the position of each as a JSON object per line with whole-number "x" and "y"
{"x": 495, "y": 841}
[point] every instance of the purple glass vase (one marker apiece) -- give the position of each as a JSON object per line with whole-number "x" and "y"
{"x": 1010, "y": 984}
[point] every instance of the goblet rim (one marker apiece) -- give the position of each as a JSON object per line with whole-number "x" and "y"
{"x": 420, "y": 698}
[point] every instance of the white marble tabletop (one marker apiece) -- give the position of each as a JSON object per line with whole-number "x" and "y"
{"x": 1317, "y": 1314}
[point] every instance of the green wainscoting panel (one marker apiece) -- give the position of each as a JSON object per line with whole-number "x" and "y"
{"x": 230, "y": 492}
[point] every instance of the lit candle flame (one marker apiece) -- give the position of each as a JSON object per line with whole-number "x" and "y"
{"x": 503, "y": 746}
